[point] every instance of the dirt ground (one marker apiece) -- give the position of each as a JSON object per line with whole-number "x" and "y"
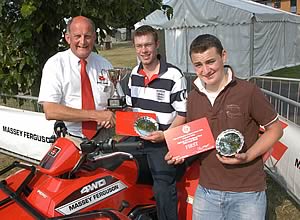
{"x": 280, "y": 205}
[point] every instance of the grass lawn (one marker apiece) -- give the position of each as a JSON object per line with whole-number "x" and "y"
{"x": 121, "y": 55}
{"x": 290, "y": 72}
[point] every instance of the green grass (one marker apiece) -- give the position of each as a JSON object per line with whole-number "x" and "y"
{"x": 121, "y": 54}
{"x": 289, "y": 72}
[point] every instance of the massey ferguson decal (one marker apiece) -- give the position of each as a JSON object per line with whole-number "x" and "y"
{"x": 90, "y": 194}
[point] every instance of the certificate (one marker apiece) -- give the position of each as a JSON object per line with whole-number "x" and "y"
{"x": 189, "y": 139}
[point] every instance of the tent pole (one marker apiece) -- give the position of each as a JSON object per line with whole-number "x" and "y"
{"x": 252, "y": 45}
{"x": 286, "y": 59}
{"x": 187, "y": 52}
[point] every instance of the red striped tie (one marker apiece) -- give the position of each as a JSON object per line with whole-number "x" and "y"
{"x": 89, "y": 128}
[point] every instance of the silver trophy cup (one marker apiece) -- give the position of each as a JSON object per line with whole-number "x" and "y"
{"x": 117, "y": 101}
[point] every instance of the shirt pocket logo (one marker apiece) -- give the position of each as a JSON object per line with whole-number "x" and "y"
{"x": 233, "y": 111}
{"x": 235, "y": 118}
{"x": 160, "y": 95}
{"x": 102, "y": 78}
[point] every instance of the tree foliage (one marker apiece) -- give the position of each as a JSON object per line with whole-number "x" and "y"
{"x": 31, "y": 31}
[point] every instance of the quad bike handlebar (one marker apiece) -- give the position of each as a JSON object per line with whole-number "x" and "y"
{"x": 68, "y": 154}
{"x": 90, "y": 146}
{"x": 95, "y": 149}
{"x": 109, "y": 146}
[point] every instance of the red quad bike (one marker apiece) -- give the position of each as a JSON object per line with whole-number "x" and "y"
{"x": 90, "y": 180}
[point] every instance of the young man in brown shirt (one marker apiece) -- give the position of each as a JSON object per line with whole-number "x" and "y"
{"x": 230, "y": 187}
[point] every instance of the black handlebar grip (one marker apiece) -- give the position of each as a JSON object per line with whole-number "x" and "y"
{"x": 128, "y": 146}
{"x": 109, "y": 146}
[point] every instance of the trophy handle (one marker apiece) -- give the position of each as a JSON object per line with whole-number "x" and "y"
{"x": 126, "y": 71}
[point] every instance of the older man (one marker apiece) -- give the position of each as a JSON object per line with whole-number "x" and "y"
{"x": 74, "y": 88}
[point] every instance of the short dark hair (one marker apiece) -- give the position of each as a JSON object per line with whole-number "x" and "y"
{"x": 144, "y": 30}
{"x": 204, "y": 42}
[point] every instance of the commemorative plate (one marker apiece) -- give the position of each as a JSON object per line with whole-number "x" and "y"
{"x": 144, "y": 125}
{"x": 229, "y": 142}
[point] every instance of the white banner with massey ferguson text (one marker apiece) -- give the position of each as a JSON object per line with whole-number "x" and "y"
{"x": 24, "y": 133}
{"x": 284, "y": 160}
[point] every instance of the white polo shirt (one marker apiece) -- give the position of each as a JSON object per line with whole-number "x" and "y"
{"x": 61, "y": 83}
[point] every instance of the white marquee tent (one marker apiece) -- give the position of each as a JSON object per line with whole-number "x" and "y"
{"x": 258, "y": 38}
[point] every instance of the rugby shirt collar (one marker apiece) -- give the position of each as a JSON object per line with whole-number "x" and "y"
{"x": 163, "y": 65}
{"x": 162, "y": 69}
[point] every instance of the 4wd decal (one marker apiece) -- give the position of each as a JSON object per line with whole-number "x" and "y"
{"x": 91, "y": 198}
{"x": 93, "y": 186}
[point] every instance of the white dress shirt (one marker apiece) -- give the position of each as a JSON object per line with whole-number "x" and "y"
{"x": 61, "y": 83}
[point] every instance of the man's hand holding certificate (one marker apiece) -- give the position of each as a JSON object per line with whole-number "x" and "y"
{"x": 189, "y": 139}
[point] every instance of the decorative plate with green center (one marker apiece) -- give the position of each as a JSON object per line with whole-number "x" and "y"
{"x": 144, "y": 125}
{"x": 229, "y": 142}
